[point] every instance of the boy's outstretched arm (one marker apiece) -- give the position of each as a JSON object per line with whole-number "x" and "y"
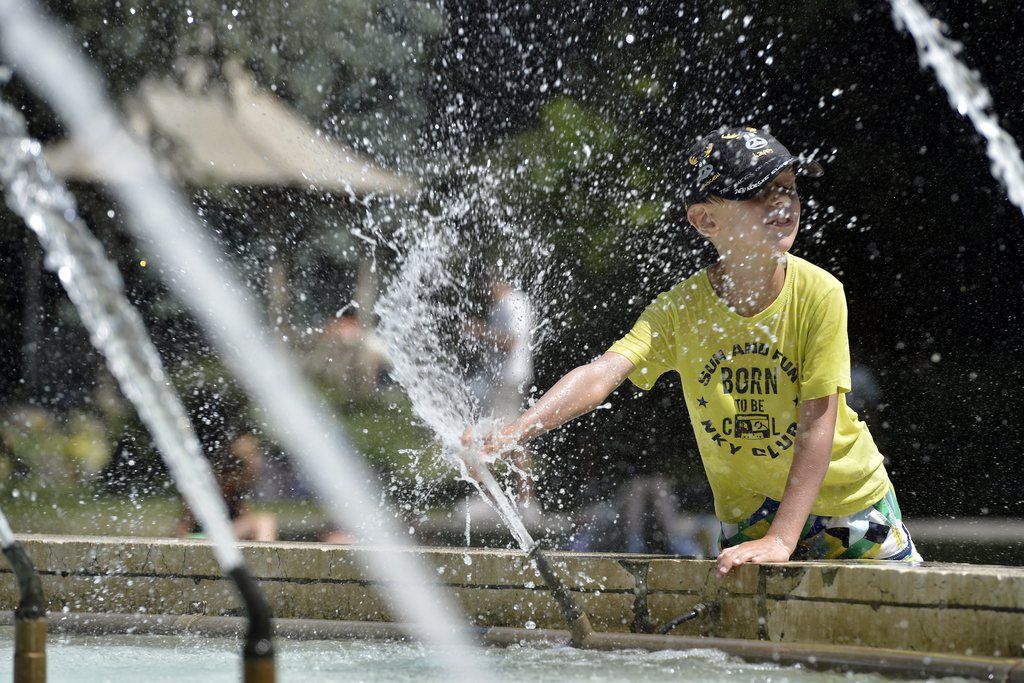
{"x": 811, "y": 456}
{"x": 578, "y": 392}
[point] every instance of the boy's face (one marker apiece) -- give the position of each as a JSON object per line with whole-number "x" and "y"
{"x": 767, "y": 222}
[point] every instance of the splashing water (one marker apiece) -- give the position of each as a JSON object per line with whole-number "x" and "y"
{"x": 967, "y": 94}
{"x": 95, "y": 286}
{"x": 428, "y": 301}
{"x": 410, "y": 324}
{"x": 197, "y": 272}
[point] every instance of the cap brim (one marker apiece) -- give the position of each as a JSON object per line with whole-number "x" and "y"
{"x": 761, "y": 177}
{"x": 810, "y": 168}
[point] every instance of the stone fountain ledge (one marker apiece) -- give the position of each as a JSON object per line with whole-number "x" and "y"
{"x": 942, "y": 608}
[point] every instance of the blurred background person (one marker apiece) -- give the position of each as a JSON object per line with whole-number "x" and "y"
{"x": 349, "y": 357}
{"x": 237, "y": 473}
{"x": 644, "y": 516}
{"x": 866, "y": 398}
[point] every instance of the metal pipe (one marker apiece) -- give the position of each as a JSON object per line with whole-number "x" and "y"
{"x": 29, "y": 619}
{"x": 575, "y": 617}
{"x": 258, "y": 652}
{"x": 828, "y": 657}
{"x": 699, "y": 609}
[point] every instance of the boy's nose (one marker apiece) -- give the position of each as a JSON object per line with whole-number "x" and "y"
{"x": 781, "y": 198}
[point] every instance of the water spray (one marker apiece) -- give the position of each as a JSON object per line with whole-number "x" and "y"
{"x": 117, "y": 331}
{"x": 491, "y": 492}
{"x": 29, "y": 615}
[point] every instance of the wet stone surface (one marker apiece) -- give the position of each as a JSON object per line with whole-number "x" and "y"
{"x": 962, "y": 609}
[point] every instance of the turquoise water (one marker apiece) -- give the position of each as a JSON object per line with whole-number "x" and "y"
{"x": 95, "y": 659}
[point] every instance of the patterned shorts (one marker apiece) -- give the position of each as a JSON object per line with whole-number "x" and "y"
{"x": 876, "y": 533}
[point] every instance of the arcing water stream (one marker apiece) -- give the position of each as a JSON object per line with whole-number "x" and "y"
{"x": 6, "y": 535}
{"x": 95, "y": 287}
{"x": 50, "y": 62}
{"x": 116, "y": 329}
{"x": 967, "y": 94}
{"x": 428, "y": 292}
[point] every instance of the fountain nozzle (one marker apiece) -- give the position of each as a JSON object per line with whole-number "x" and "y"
{"x": 29, "y": 619}
{"x": 577, "y": 620}
{"x": 258, "y": 653}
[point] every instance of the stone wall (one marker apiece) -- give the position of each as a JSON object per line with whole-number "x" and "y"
{"x": 957, "y": 609}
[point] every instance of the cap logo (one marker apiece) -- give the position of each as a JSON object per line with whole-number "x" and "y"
{"x": 704, "y": 171}
{"x": 754, "y": 184}
{"x": 756, "y": 142}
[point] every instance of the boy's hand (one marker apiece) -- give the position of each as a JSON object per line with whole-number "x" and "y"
{"x": 479, "y": 450}
{"x": 771, "y": 548}
{"x": 491, "y": 443}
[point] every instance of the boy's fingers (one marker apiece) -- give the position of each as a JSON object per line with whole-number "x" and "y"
{"x": 732, "y": 557}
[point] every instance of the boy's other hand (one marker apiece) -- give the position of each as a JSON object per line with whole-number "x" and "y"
{"x": 763, "y": 550}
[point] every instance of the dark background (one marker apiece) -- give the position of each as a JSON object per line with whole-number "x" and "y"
{"x": 931, "y": 265}
{"x": 908, "y": 214}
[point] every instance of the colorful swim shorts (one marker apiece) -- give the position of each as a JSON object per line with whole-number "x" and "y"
{"x": 876, "y": 533}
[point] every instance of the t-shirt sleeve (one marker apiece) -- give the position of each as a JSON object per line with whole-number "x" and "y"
{"x": 825, "y": 369}
{"x": 649, "y": 345}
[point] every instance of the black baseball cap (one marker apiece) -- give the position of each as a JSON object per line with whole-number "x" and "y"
{"x": 737, "y": 163}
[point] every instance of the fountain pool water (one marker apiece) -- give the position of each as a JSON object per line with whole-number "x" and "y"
{"x": 89, "y": 659}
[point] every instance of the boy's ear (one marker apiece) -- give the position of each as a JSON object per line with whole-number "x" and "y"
{"x": 701, "y": 220}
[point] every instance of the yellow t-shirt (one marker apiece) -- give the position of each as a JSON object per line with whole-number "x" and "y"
{"x": 743, "y": 379}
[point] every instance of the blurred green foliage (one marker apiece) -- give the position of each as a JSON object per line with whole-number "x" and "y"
{"x": 584, "y": 181}
{"x": 41, "y": 449}
{"x": 359, "y": 70}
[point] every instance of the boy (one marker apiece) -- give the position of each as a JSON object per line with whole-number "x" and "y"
{"x": 759, "y": 340}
